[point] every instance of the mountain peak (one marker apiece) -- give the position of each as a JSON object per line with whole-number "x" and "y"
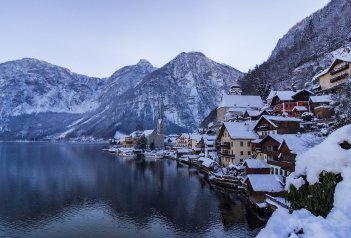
{"x": 144, "y": 63}
{"x": 191, "y": 54}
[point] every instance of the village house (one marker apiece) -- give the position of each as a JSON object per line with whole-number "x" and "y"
{"x": 321, "y": 107}
{"x": 196, "y": 142}
{"x": 337, "y": 73}
{"x": 234, "y": 106}
{"x": 280, "y": 151}
{"x": 267, "y": 148}
{"x": 288, "y": 102}
{"x": 270, "y": 125}
{"x": 258, "y": 185}
{"x": 234, "y": 142}
{"x": 183, "y": 140}
{"x": 254, "y": 115}
{"x": 256, "y": 166}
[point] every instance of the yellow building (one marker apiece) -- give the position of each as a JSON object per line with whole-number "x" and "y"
{"x": 235, "y": 142}
{"x": 183, "y": 140}
{"x": 337, "y": 73}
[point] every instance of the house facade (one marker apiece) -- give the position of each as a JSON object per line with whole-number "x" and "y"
{"x": 321, "y": 107}
{"x": 234, "y": 142}
{"x": 284, "y": 102}
{"x": 337, "y": 73}
{"x": 270, "y": 125}
{"x": 183, "y": 140}
{"x": 233, "y": 106}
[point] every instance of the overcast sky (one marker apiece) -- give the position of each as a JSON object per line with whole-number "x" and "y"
{"x": 98, "y": 37}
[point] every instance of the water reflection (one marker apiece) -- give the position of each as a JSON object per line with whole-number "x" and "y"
{"x": 74, "y": 190}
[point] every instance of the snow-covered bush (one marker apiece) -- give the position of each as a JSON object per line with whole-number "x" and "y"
{"x": 317, "y": 173}
{"x": 307, "y": 116}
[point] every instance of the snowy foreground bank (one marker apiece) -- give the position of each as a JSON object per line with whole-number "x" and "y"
{"x": 330, "y": 156}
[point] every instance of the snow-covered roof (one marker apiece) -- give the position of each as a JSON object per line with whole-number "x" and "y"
{"x": 281, "y": 118}
{"x": 196, "y": 137}
{"x": 183, "y": 135}
{"x": 207, "y": 162}
{"x": 148, "y": 132}
{"x": 282, "y": 95}
{"x": 300, "y": 108}
{"x": 272, "y": 119}
{"x": 253, "y": 113}
{"x": 256, "y": 164}
{"x": 321, "y": 99}
{"x": 265, "y": 182}
{"x": 136, "y": 134}
{"x": 300, "y": 143}
{"x": 209, "y": 140}
{"x": 243, "y": 101}
{"x": 240, "y": 130}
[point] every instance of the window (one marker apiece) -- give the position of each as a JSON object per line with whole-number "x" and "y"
{"x": 241, "y": 143}
{"x": 248, "y": 143}
{"x": 241, "y": 152}
{"x": 249, "y": 153}
{"x": 231, "y": 143}
{"x": 241, "y": 160}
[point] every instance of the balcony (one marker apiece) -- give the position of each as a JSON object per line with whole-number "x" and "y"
{"x": 340, "y": 68}
{"x": 226, "y": 154}
{"x": 339, "y": 77}
{"x": 225, "y": 144}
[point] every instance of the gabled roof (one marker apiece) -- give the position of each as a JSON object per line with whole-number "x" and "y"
{"x": 240, "y": 130}
{"x": 184, "y": 135}
{"x": 286, "y": 95}
{"x": 300, "y": 143}
{"x": 254, "y": 113}
{"x": 272, "y": 119}
{"x": 244, "y": 101}
{"x": 256, "y": 164}
{"x": 282, "y": 95}
{"x": 321, "y": 99}
{"x": 336, "y": 59}
{"x": 265, "y": 182}
{"x": 196, "y": 137}
{"x": 148, "y": 132}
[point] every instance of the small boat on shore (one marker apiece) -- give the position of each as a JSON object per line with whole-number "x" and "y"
{"x": 153, "y": 155}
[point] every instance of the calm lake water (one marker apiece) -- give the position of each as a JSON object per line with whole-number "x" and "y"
{"x": 76, "y": 190}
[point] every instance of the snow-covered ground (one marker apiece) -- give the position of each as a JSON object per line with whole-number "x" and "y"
{"x": 328, "y": 156}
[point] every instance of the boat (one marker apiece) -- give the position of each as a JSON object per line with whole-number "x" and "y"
{"x": 111, "y": 149}
{"x": 127, "y": 154}
{"x": 153, "y": 155}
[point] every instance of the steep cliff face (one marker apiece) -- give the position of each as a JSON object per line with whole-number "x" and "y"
{"x": 189, "y": 86}
{"x": 305, "y": 50}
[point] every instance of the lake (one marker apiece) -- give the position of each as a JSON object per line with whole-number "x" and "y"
{"x": 76, "y": 190}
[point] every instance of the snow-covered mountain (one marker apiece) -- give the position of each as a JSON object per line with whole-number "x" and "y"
{"x": 305, "y": 50}
{"x": 40, "y": 100}
{"x": 190, "y": 86}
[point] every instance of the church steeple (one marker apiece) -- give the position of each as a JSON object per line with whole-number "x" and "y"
{"x": 160, "y": 118}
